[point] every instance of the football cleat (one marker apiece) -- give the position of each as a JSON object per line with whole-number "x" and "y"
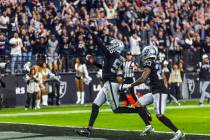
{"x": 84, "y": 132}
{"x": 178, "y": 135}
{"x": 147, "y": 131}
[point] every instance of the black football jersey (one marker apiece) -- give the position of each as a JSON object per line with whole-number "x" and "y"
{"x": 156, "y": 79}
{"x": 113, "y": 61}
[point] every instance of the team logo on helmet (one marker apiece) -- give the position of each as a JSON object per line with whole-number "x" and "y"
{"x": 149, "y": 52}
{"x": 115, "y": 45}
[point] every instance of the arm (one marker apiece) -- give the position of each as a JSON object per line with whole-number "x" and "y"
{"x": 98, "y": 65}
{"x": 2, "y": 83}
{"x": 165, "y": 80}
{"x": 143, "y": 77}
{"x": 115, "y": 4}
{"x": 76, "y": 2}
{"x": 105, "y": 6}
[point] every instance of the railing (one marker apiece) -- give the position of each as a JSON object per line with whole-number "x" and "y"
{"x": 65, "y": 63}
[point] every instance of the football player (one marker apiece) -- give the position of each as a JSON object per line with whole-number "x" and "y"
{"x": 113, "y": 61}
{"x": 152, "y": 70}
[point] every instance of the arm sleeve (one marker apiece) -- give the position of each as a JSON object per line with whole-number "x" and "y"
{"x": 2, "y": 83}
{"x": 98, "y": 65}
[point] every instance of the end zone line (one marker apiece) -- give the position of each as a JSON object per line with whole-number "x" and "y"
{"x": 109, "y": 129}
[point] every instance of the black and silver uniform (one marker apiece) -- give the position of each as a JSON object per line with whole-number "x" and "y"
{"x": 112, "y": 62}
{"x": 112, "y": 58}
{"x": 156, "y": 79}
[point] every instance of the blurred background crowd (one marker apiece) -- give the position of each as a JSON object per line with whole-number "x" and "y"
{"x": 32, "y": 29}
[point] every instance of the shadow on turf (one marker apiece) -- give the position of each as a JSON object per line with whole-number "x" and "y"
{"x": 24, "y": 137}
{"x": 97, "y": 133}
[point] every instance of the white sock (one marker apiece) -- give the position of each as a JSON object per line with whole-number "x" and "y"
{"x": 82, "y": 97}
{"x": 78, "y": 97}
{"x": 38, "y": 103}
{"x": 45, "y": 100}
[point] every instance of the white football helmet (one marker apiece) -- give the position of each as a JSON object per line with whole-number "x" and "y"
{"x": 149, "y": 52}
{"x": 116, "y": 45}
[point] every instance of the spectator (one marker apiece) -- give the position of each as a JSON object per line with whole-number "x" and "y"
{"x": 4, "y": 22}
{"x": 175, "y": 81}
{"x": 26, "y": 50}
{"x": 80, "y": 46}
{"x": 16, "y": 54}
{"x": 67, "y": 51}
{"x": 111, "y": 12}
{"x": 206, "y": 46}
{"x": 53, "y": 47}
{"x": 171, "y": 21}
{"x": 135, "y": 46}
{"x": 2, "y": 47}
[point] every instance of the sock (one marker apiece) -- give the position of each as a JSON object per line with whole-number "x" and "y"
{"x": 143, "y": 114}
{"x": 45, "y": 99}
{"x": 93, "y": 116}
{"x": 168, "y": 123}
{"x": 78, "y": 97}
{"x": 82, "y": 97}
{"x": 38, "y": 103}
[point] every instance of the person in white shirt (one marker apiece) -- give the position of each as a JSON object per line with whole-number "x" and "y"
{"x": 16, "y": 45}
{"x": 4, "y": 22}
{"x": 52, "y": 51}
{"x": 135, "y": 48}
{"x": 111, "y": 12}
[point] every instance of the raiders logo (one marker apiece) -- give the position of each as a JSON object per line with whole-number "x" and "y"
{"x": 63, "y": 87}
{"x": 191, "y": 85}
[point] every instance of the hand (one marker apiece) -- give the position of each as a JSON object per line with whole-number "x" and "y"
{"x": 125, "y": 88}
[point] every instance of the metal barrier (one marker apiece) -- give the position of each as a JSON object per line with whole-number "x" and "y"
{"x": 65, "y": 63}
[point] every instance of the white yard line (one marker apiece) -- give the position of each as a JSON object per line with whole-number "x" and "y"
{"x": 88, "y": 111}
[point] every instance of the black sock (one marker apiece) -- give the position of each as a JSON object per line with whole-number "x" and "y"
{"x": 94, "y": 114}
{"x": 143, "y": 114}
{"x": 168, "y": 123}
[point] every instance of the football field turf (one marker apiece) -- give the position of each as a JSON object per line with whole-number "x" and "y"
{"x": 189, "y": 117}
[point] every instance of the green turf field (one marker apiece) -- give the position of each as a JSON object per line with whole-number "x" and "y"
{"x": 190, "y": 119}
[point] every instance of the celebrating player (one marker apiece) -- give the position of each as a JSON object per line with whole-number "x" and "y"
{"x": 110, "y": 92}
{"x": 152, "y": 70}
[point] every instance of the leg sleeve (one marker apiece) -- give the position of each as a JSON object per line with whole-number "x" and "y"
{"x": 160, "y": 103}
{"x": 100, "y": 98}
{"x": 111, "y": 91}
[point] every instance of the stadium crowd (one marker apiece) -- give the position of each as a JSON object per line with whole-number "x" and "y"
{"x": 54, "y": 28}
